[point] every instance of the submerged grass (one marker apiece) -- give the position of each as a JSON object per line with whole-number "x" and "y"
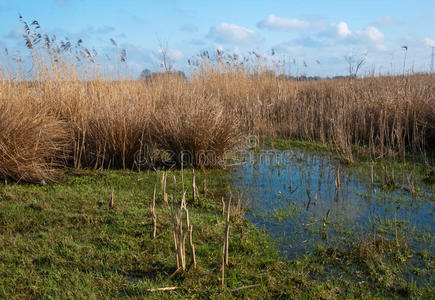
{"x": 62, "y": 240}
{"x": 409, "y": 172}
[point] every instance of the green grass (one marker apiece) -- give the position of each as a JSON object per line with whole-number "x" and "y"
{"x": 62, "y": 241}
{"x": 289, "y": 144}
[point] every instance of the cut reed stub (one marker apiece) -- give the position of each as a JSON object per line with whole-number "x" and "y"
{"x": 111, "y": 200}
{"x": 225, "y": 256}
{"x": 195, "y": 196}
{"x": 227, "y": 228}
{"x": 174, "y": 223}
{"x": 179, "y": 234}
{"x": 163, "y": 183}
{"x": 154, "y": 215}
{"x": 205, "y": 187}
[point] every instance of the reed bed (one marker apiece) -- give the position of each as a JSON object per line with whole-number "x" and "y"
{"x": 68, "y": 114}
{"x": 33, "y": 144}
{"x": 384, "y": 116}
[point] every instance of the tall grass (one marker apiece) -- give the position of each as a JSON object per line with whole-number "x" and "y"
{"x": 68, "y": 113}
{"x": 33, "y": 144}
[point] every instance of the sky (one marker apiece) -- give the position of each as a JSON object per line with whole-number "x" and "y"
{"x": 312, "y": 37}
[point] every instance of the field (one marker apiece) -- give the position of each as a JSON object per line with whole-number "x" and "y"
{"x": 73, "y": 137}
{"x": 63, "y": 240}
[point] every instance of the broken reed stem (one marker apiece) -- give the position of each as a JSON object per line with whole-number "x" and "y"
{"x": 175, "y": 273}
{"x": 154, "y": 216}
{"x": 169, "y": 288}
{"x": 395, "y": 228}
{"x": 112, "y": 195}
{"x": 371, "y": 174}
{"x": 194, "y": 188}
{"x": 178, "y": 234}
{"x": 182, "y": 172}
{"x": 226, "y": 239}
{"x": 163, "y": 182}
{"x": 190, "y": 230}
{"x": 181, "y": 236}
{"x": 337, "y": 178}
{"x": 174, "y": 229}
{"x": 244, "y": 287}
{"x": 337, "y": 184}
{"x": 227, "y": 228}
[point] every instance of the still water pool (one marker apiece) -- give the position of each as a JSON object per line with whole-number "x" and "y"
{"x": 304, "y": 199}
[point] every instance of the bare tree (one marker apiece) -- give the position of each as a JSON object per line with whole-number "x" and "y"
{"x": 167, "y": 63}
{"x": 355, "y": 64}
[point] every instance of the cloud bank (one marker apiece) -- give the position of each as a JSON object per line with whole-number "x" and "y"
{"x": 274, "y": 22}
{"x": 232, "y": 33}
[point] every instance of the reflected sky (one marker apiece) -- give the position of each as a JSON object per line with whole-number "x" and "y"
{"x": 303, "y": 199}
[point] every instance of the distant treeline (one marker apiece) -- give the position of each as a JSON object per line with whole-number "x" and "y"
{"x": 147, "y": 74}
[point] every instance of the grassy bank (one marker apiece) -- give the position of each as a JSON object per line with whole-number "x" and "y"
{"x": 62, "y": 240}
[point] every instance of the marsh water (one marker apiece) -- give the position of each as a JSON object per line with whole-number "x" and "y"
{"x": 305, "y": 199}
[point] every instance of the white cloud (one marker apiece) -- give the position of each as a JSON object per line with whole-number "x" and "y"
{"x": 274, "y": 22}
{"x": 340, "y": 33}
{"x": 429, "y": 42}
{"x": 371, "y": 33}
{"x": 231, "y": 33}
{"x": 176, "y": 55}
{"x": 342, "y": 30}
{"x": 219, "y": 47}
{"x": 173, "y": 54}
{"x": 320, "y": 42}
{"x": 382, "y": 47}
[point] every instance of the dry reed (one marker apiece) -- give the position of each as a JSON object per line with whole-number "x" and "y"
{"x": 65, "y": 105}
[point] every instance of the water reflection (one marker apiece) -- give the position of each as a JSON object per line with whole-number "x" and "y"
{"x": 304, "y": 199}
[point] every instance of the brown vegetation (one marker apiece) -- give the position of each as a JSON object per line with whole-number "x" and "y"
{"x": 33, "y": 143}
{"x": 71, "y": 109}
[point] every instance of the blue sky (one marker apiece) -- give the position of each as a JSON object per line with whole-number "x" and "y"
{"x": 314, "y": 36}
